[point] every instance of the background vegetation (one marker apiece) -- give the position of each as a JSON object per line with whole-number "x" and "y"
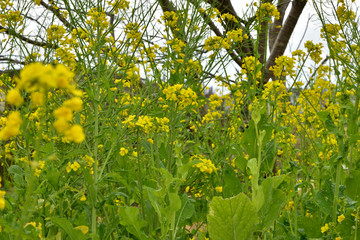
{"x": 108, "y": 130}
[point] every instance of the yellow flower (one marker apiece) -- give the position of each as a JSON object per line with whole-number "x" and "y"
{"x": 40, "y": 166}
{"x": 61, "y": 125}
{"x": 83, "y": 198}
{"x": 14, "y": 97}
{"x": 205, "y": 166}
{"x": 2, "y": 200}
{"x": 219, "y": 189}
{"x": 83, "y": 229}
{"x": 12, "y": 127}
{"x": 341, "y": 218}
{"x": 123, "y": 151}
{"x": 72, "y": 166}
{"x": 37, "y": 99}
{"x": 63, "y": 113}
{"x": 75, "y": 133}
{"x": 63, "y": 76}
{"x": 74, "y": 104}
{"x": 36, "y": 76}
{"x": 325, "y": 228}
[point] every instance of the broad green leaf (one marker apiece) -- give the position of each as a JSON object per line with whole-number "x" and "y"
{"x": 186, "y": 211}
{"x": 268, "y": 160}
{"x": 324, "y": 198}
{"x": 15, "y": 169}
{"x": 249, "y": 140}
{"x": 352, "y": 185}
{"x": 275, "y": 201}
{"x": 130, "y": 218}
{"x": 154, "y": 200}
{"x": 311, "y": 226}
{"x": 74, "y": 234}
{"x": 232, "y": 184}
{"x": 231, "y": 218}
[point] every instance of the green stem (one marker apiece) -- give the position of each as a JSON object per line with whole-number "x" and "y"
{"x": 138, "y": 172}
{"x": 336, "y": 195}
{"x": 96, "y": 132}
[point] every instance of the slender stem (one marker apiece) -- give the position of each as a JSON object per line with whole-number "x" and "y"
{"x": 138, "y": 172}
{"x": 336, "y": 195}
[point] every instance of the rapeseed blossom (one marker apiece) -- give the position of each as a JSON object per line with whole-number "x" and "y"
{"x": 2, "y": 200}
{"x": 325, "y": 228}
{"x": 72, "y": 166}
{"x": 75, "y": 133}
{"x": 340, "y": 218}
{"x": 12, "y": 127}
{"x": 14, "y": 97}
{"x": 123, "y": 151}
{"x": 205, "y": 165}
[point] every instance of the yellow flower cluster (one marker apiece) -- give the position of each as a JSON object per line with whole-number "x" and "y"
{"x": 205, "y": 165}
{"x": 314, "y": 50}
{"x": 97, "y": 19}
{"x": 325, "y": 228}
{"x": 2, "y": 200}
{"x": 276, "y": 93}
{"x": 284, "y": 66}
{"x": 89, "y": 162}
{"x": 176, "y": 44}
{"x": 39, "y": 77}
{"x": 183, "y": 97}
{"x": 119, "y": 5}
{"x": 214, "y": 102}
{"x": 11, "y": 19}
{"x": 236, "y": 35}
{"x": 72, "y": 166}
{"x": 5, "y": 3}
{"x": 251, "y": 67}
{"x": 133, "y": 34}
{"x": 266, "y": 11}
{"x": 170, "y": 19}
{"x": 66, "y": 56}
{"x": 345, "y": 14}
{"x": 55, "y": 32}
{"x": 147, "y": 124}
{"x": 40, "y": 166}
{"x": 12, "y": 127}
{"x": 215, "y": 43}
{"x": 227, "y": 17}
{"x": 14, "y": 97}
{"x": 64, "y": 115}
{"x": 123, "y": 151}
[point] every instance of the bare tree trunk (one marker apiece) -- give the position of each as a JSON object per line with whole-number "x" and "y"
{"x": 283, "y": 36}
{"x": 274, "y": 30}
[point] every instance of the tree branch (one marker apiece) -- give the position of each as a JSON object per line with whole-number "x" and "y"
{"x": 26, "y": 39}
{"x": 57, "y": 13}
{"x": 283, "y": 37}
{"x": 275, "y": 27}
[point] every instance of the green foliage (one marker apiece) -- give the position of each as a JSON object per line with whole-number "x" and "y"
{"x": 231, "y": 218}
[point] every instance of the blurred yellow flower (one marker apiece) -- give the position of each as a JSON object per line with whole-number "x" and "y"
{"x": 14, "y": 97}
